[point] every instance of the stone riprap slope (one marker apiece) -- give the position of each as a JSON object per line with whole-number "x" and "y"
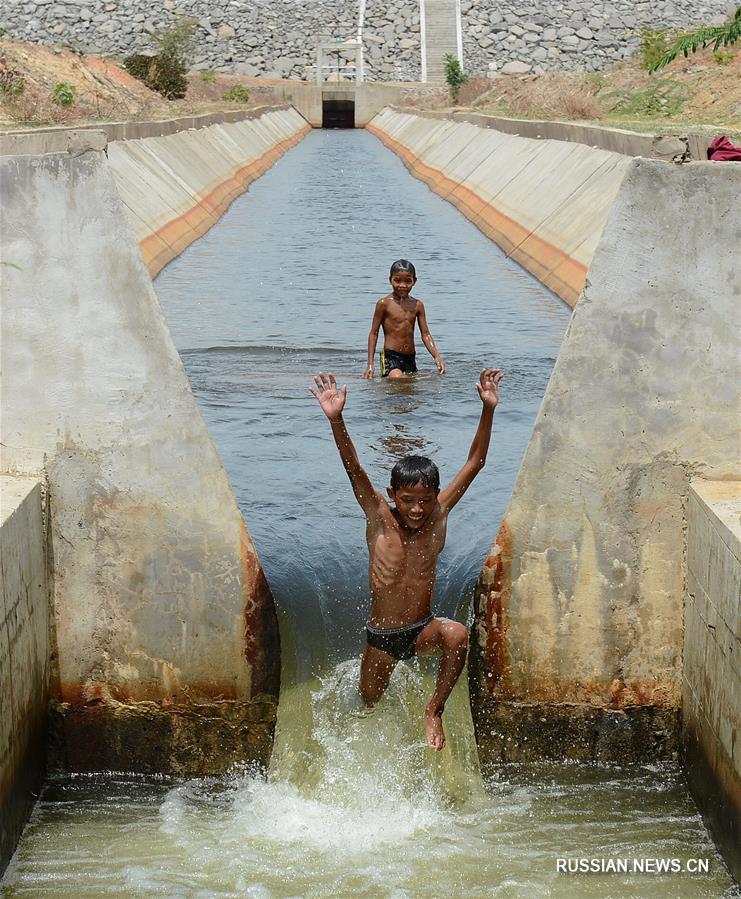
{"x": 278, "y": 38}
{"x": 268, "y": 38}
{"x": 568, "y": 35}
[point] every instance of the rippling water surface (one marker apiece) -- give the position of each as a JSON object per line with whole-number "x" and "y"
{"x": 354, "y": 804}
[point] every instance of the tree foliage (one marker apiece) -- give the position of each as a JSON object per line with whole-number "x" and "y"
{"x": 160, "y": 73}
{"x": 454, "y": 75}
{"x": 63, "y": 94}
{"x": 165, "y": 71}
{"x": 653, "y": 47}
{"x": 716, "y": 35}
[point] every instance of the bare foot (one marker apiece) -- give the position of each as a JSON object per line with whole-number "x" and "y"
{"x": 434, "y": 728}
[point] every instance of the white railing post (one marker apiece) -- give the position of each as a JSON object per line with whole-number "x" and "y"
{"x": 359, "y": 61}
{"x": 459, "y": 31}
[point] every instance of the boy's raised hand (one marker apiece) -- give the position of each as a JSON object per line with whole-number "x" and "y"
{"x": 330, "y": 398}
{"x": 488, "y": 387}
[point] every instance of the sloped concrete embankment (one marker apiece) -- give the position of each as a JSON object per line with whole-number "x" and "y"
{"x": 579, "y": 614}
{"x": 167, "y": 654}
{"x": 545, "y": 202}
{"x": 24, "y": 655}
{"x": 175, "y": 187}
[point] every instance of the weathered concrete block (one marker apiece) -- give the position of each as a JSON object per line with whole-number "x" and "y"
{"x": 581, "y": 599}
{"x": 24, "y": 655}
{"x": 159, "y": 596}
{"x": 711, "y": 694}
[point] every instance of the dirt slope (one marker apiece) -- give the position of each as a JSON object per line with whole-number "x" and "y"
{"x": 104, "y": 91}
{"x": 697, "y": 91}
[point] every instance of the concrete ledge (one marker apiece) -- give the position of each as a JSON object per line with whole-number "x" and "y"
{"x": 42, "y": 143}
{"x": 24, "y": 655}
{"x": 96, "y": 135}
{"x": 692, "y": 145}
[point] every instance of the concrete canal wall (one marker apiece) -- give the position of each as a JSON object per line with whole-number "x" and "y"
{"x": 24, "y": 654}
{"x": 176, "y": 186}
{"x": 711, "y": 682}
{"x": 545, "y": 202}
{"x": 579, "y": 633}
{"x": 581, "y": 647}
{"x": 168, "y": 653}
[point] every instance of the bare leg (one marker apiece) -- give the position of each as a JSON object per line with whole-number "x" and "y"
{"x": 375, "y": 673}
{"x": 449, "y": 639}
{"x": 396, "y": 373}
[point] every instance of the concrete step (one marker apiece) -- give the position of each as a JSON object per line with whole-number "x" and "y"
{"x": 440, "y": 36}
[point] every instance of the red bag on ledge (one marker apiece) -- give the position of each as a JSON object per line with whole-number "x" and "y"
{"x": 722, "y": 150}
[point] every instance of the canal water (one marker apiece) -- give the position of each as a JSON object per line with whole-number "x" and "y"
{"x": 354, "y": 804}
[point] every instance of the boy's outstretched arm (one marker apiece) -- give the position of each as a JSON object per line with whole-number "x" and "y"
{"x": 373, "y": 339}
{"x": 332, "y": 402}
{"x": 488, "y": 389}
{"x": 427, "y": 338}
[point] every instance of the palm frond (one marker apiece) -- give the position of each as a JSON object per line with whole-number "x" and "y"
{"x": 718, "y": 35}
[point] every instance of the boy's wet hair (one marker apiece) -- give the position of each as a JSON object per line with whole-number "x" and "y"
{"x": 403, "y": 265}
{"x": 413, "y": 470}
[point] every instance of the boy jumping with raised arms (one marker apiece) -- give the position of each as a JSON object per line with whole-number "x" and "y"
{"x": 404, "y": 541}
{"x": 397, "y": 313}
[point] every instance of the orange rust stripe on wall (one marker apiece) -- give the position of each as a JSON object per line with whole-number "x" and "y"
{"x": 168, "y": 241}
{"x": 553, "y": 267}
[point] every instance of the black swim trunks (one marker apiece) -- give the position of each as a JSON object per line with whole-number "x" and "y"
{"x": 397, "y": 642}
{"x": 393, "y": 359}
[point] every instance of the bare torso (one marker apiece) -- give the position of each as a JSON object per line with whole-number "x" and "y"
{"x": 399, "y": 318}
{"x": 402, "y": 566}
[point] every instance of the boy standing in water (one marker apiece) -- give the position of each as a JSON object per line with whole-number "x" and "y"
{"x": 404, "y": 541}
{"x": 397, "y": 313}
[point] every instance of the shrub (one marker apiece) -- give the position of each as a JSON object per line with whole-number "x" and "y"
{"x": 237, "y": 94}
{"x": 63, "y": 94}
{"x": 454, "y": 76}
{"x": 654, "y": 45}
{"x": 718, "y": 35}
{"x": 12, "y": 82}
{"x": 160, "y": 73}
